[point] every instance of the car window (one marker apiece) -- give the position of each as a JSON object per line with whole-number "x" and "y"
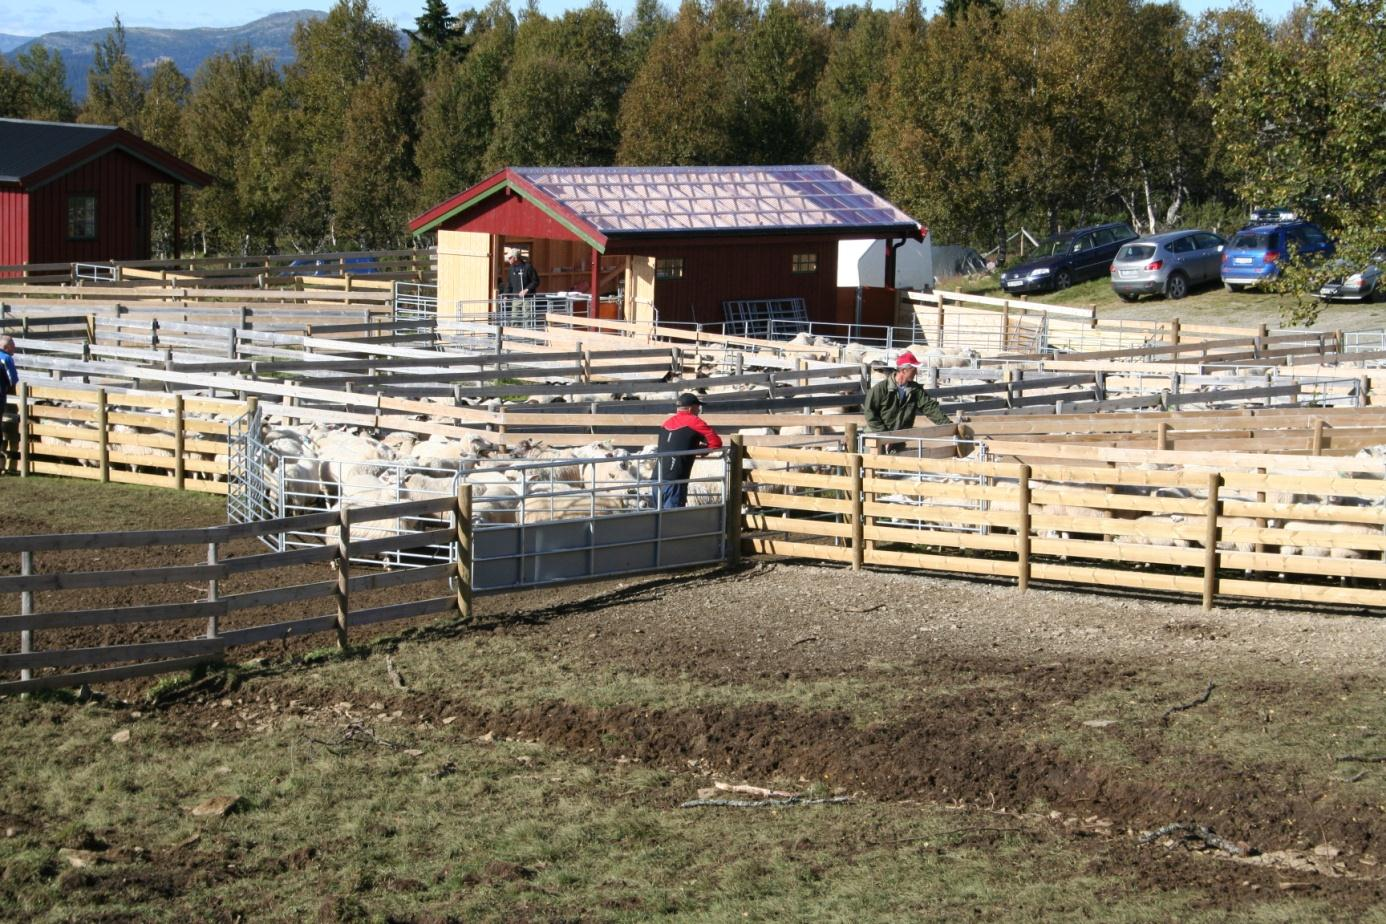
{"x": 1206, "y": 241}
{"x": 1122, "y": 233}
{"x": 1180, "y": 245}
{"x": 1251, "y": 240}
{"x": 1313, "y": 235}
{"x": 1105, "y": 236}
{"x": 1082, "y": 243}
{"x": 1133, "y": 253}
{"x": 1294, "y": 237}
{"x": 1053, "y": 246}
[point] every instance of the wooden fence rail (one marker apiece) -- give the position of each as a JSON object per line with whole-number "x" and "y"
{"x": 340, "y": 583}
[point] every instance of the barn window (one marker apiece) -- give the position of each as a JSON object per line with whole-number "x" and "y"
{"x": 804, "y": 263}
{"x": 81, "y": 217}
{"x": 669, "y": 268}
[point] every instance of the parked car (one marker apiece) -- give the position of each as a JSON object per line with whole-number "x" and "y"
{"x": 1254, "y": 254}
{"x": 1362, "y": 285}
{"x": 1062, "y": 260}
{"x": 1167, "y": 264}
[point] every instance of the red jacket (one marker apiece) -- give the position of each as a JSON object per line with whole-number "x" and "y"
{"x": 682, "y": 432}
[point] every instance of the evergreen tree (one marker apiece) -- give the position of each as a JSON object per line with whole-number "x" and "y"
{"x": 457, "y": 123}
{"x": 50, "y": 99}
{"x": 115, "y": 91}
{"x": 778, "y": 73}
{"x": 433, "y": 35}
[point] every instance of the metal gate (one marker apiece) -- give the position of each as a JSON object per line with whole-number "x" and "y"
{"x": 548, "y": 527}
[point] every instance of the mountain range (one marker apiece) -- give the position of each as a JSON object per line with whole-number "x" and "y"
{"x": 188, "y": 48}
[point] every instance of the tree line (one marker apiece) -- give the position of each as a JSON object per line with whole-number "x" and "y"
{"x": 989, "y": 116}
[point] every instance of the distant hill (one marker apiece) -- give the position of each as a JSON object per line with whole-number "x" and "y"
{"x": 10, "y": 42}
{"x": 188, "y": 48}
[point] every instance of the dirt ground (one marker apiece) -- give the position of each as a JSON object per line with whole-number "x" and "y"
{"x": 1096, "y": 717}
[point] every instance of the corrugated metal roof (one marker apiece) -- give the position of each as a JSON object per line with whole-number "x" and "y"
{"x": 634, "y": 200}
{"x": 27, "y": 146}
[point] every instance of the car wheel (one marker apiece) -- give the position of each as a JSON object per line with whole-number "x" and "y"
{"x": 1063, "y": 279}
{"x": 1176, "y": 286}
{"x": 1127, "y": 296}
{"x": 1229, "y": 287}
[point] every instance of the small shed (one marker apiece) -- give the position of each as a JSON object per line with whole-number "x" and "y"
{"x": 672, "y": 244}
{"x": 78, "y": 193}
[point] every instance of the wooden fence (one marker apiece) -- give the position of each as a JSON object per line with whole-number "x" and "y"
{"x": 234, "y": 269}
{"x": 171, "y": 441}
{"x": 1258, "y": 527}
{"x": 41, "y": 667}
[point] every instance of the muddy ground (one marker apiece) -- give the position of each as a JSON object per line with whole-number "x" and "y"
{"x": 1052, "y": 707}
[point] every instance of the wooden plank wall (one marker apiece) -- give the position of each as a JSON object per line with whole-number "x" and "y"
{"x": 1085, "y": 521}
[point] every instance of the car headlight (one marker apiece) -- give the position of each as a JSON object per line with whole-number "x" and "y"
{"x": 1042, "y": 271}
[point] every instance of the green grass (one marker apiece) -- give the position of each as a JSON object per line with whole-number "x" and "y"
{"x": 516, "y": 831}
{"x": 66, "y": 505}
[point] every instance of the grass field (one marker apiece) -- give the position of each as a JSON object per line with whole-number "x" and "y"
{"x": 1001, "y": 755}
{"x": 1207, "y": 304}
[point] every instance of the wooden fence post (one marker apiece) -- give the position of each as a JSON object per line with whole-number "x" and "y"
{"x": 462, "y": 524}
{"x": 104, "y": 443}
{"x": 1162, "y": 434}
{"x": 26, "y": 608}
{"x": 25, "y": 428}
{"x": 735, "y": 455}
{"x": 1210, "y": 542}
{"x": 343, "y": 563}
{"x": 858, "y": 513}
{"x": 180, "y": 467}
{"x": 1174, "y": 332}
{"x": 1316, "y": 446}
{"x": 1022, "y": 530}
{"x": 213, "y": 592}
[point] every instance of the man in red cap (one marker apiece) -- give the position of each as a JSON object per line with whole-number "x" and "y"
{"x": 893, "y": 402}
{"x": 683, "y": 432}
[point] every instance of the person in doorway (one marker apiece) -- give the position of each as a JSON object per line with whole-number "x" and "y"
{"x": 9, "y": 382}
{"x": 893, "y": 402}
{"x": 521, "y": 279}
{"x": 682, "y": 432}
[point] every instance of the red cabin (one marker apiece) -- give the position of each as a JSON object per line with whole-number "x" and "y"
{"x": 680, "y": 243}
{"x": 81, "y": 193}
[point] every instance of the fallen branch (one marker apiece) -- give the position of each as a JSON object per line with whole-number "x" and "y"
{"x": 1194, "y": 832}
{"x": 395, "y": 677}
{"x": 762, "y": 803}
{"x": 1361, "y": 759}
{"x": 755, "y": 791}
{"x": 804, "y": 640}
{"x": 865, "y": 609}
{"x": 1356, "y": 777}
{"x": 357, "y": 735}
{"x": 1189, "y": 705}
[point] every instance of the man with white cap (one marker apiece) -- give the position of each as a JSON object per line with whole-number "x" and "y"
{"x": 521, "y": 279}
{"x": 893, "y": 402}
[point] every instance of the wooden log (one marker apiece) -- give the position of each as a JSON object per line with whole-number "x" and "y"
{"x": 858, "y": 498}
{"x": 25, "y": 436}
{"x": 342, "y": 562}
{"x": 735, "y": 499}
{"x": 180, "y": 464}
{"x": 1022, "y": 529}
{"x": 1210, "y": 542}
{"x": 462, "y": 522}
{"x": 213, "y": 591}
{"x": 103, "y": 438}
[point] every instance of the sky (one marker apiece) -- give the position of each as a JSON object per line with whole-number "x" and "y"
{"x": 36, "y": 18}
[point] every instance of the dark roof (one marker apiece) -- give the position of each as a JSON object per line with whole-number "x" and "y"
{"x": 602, "y": 203}
{"x": 33, "y": 153}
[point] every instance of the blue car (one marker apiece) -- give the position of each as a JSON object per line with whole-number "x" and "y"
{"x": 1256, "y": 253}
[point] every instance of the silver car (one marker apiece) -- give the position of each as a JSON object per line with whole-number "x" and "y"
{"x": 1361, "y": 285}
{"x": 1167, "y": 264}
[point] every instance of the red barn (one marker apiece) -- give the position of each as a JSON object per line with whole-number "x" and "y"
{"x": 81, "y": 193}
{"x": 680, "y": 242}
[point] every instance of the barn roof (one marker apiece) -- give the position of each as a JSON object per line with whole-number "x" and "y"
{"x": 34, "y": 153}
{"x": 602, "y": 203}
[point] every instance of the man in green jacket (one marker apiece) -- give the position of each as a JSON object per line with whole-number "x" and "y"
{"x": 892, "y": 403}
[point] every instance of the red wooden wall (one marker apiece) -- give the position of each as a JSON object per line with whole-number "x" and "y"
{"x": 115, "y": 178}
{"x": 716, "y": 271}
{"x": 14, "y": 227}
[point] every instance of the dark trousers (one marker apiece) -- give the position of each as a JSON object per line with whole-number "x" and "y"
{"x": 673, "y": 495}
